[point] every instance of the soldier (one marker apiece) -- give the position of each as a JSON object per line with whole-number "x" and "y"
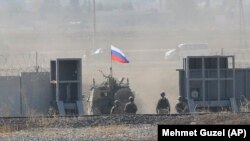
{"x": 130, "y": 107}
{"x": 182, "y": 106}
{"x": 163, "y": 106}
{"x": 116, "y": 109}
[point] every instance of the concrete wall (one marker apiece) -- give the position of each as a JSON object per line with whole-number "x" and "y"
{"x": 36, "y": 93}
{"x": 10, "y": 96}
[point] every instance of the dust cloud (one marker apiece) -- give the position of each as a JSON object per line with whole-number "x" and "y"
{"x": 143, "y": 29}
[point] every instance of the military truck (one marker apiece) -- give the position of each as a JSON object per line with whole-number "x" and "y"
{"x": 102, "y": 96}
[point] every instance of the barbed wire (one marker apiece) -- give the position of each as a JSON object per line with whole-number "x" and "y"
{"x": 13, "y": 64}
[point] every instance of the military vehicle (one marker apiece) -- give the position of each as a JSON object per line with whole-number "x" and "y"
{"x": 102, "y": 96}
{"x": 187, "y": 49}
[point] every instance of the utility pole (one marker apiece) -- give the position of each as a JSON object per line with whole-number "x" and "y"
{"x": 36, "y": 67}
{"x": 94, "y": 23}
{"x": 243, "y": 40}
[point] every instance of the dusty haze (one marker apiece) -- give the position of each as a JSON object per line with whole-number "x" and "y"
{"x": 143, "y": 29}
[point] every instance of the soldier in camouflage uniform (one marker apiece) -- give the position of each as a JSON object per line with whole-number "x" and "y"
{"x": 116, "y": 109}
{"x": 182, "y": 106}
{"x": 163, "y": 106}
{"x": 130, "y": 107}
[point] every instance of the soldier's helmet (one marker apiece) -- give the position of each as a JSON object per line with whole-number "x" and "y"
{"x": 131, "y": 98}
{"x": 117, "y": 102}
{"x": 163, "y": 94}
{"x": 182, "y": 99}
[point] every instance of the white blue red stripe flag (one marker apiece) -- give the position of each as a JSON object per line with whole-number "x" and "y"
{"x": 118, "y": 55}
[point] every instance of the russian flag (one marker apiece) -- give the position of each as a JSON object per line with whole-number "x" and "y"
{"x": 118, "y": 55}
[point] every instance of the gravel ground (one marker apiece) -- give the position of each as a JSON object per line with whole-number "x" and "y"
{"x": 117, "y": 127}
{"x": 116, "y": 132}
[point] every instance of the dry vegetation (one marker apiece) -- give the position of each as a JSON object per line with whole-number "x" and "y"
{"x": 116, "y": 127}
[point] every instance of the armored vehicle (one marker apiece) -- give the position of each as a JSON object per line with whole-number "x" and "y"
{"x": 102, "y": 96}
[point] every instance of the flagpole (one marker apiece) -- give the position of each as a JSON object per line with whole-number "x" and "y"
{"x": 111, "y": 73}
